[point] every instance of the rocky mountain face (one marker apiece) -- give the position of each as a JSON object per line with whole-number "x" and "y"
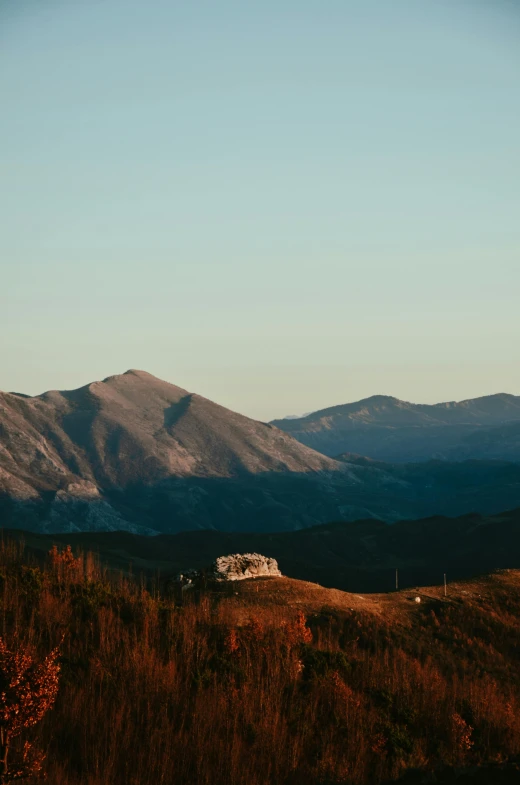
{"x": 137, "y": 427}
{"x": 138, "y": 454}
{"x": 387, "y": 429}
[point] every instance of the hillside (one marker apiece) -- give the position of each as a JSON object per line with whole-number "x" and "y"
{"x": 267, "y": 682}
{"x": 501, "y": 442}
{"x": 387, "y": 429}
{"x": 357, "y": 556}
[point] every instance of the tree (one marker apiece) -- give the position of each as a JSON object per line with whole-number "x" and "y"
{"x": 28, "y": 689}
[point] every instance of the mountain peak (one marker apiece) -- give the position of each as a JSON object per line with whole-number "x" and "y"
{"x": 140, "y": 374}
{"x": 381, "y": 399}
{"x": 144, "y": 375}
{"x": 133, "y": 427}
{"x": 139, "y": 382}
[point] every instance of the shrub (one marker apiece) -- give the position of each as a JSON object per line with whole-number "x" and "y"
{"x": 28, "y": 689}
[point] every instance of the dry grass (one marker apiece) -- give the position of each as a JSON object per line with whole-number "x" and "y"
{"x": 282, "y": 682}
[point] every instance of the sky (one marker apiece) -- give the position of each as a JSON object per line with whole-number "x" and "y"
{"x": 281, "y": 205}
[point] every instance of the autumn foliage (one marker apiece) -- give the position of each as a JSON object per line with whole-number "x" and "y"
{"x": 28, "y": 689}
{"x": 153, "y": 691}
{"x": 64, "y": 561}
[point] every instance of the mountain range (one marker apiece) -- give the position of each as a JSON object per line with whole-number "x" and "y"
{"x": 387, "y": 429}
{"x": 136, "y": 453}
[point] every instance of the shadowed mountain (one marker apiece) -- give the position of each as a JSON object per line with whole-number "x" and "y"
{"x": 500, "y": 443}
{"x": 136, "y": 453}
{"x": 387, "y": 429}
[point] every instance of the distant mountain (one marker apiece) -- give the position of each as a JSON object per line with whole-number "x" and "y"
{"x": 135, "y": 426}
{"x": 136, "y": 453}
{"x": 357, "y": 556}
{"x": 106, "y": 452}
{"x": 387, "y": 429}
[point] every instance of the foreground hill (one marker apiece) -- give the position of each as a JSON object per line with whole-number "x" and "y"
{"x": 358, "y": 556}
{"x": 138, "y": 454}
{"x": 387, "y": 429}
{"x": 267, "y": 682}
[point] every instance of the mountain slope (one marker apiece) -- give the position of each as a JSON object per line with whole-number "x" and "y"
{"x": 501, "y": 442}
{"x": 90, "y": 455}
{"x": 139, "y": 454}
{"x": 385, "y": 428}
{"x": 135, "y": 426}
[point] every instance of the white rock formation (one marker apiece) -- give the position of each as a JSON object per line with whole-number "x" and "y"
{"x": 235, "y": 567}
{"x": 238, "y": 566}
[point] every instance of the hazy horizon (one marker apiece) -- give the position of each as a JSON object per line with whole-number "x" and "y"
{"x": 282, "y": 207}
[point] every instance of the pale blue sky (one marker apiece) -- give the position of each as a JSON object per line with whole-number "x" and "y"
{"x": 281, "y": 205}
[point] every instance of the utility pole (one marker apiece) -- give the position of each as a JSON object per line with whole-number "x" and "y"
{"x": 396, "y": 579}
{"x": 445, "y": 590}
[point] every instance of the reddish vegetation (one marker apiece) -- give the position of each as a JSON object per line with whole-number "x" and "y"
{"x": 156, "y": 694}
{"x": 27, "y": 691}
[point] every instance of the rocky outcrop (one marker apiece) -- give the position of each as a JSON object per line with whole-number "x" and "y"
{"x": 235, "y": 567}
{"x": 238, "y": 566}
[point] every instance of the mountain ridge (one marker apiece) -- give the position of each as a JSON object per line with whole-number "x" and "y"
{"x": 401, "y": 403}
{"x": 133, "y": 452}
{"x": 389, "y": 429}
